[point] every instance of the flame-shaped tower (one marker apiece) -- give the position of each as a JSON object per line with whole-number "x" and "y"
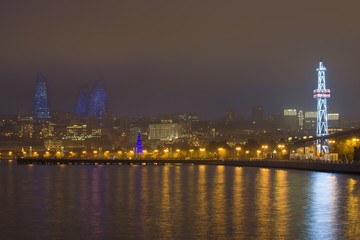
{"x": 321, "y": 94}
{"x": 40, "y": 104}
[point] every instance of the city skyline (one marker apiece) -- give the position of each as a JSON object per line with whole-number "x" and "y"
{"x": 160, "y": 119}
{"x": 84, "y": 99}
{"x": 203, "y": 58}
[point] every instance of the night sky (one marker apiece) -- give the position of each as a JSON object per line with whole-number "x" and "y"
{"x": 173, "y": 56}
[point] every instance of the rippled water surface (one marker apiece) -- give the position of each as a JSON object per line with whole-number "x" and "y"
{"x": 176, "y": 202}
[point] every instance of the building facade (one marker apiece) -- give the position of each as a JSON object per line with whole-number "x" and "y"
{"x": 291, "y": 120}
{"x": 164, "y": 131}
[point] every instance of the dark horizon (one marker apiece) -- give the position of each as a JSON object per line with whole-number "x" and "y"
{"x": 165, "y": 57}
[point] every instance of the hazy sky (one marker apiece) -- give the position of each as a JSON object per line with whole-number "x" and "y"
{"x": 172, "y": 56}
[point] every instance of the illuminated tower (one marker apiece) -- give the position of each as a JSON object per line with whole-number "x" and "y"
{"x": 98, "y": 101}
{"x": 41, "y": 107}
{"x": 321, "y": 94}
{"x": 139, "y": 147}
{"x": 82, "y": 103}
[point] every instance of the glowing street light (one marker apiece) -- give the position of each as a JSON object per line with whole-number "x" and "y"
{"x": 264, "y": 147}
{"x": 221, "y": 151}
{"x": 203, "y": 151}
{"x": 238, "y": 149}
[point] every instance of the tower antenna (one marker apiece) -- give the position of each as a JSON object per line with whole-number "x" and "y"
{"x": 321, "y": 94}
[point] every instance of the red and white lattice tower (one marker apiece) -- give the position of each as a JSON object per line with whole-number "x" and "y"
{"x": 321, "y": 94}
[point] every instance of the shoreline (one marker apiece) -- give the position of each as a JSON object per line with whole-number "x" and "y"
{"x": 307, "y": 165}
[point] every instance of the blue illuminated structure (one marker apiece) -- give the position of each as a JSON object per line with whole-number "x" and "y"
{"x": 321, "y": 94}
{"x": 139, "y": 148}
{"x": 98, "y": 101}
{"x": 40, "y": 104}
{"x": 82, "y": 103}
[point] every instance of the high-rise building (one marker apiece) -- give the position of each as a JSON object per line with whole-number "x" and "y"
{"x": 229, "y": 115}
{"x": 98, "y": 101}
{"x": 301, "y": 119}
{"x": 257, "y": 114}
{"x": 333, "y": 120}
{"x": 82, "y": 103}
{"x": 164, "y": 131}
{"x": 310, "y": 120}
{"x": 291, "y": 120}
{"x": 41, "y": 106}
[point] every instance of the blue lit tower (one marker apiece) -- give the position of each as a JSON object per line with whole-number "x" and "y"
{"x": 139, "y": 147}
{"x": 98, "y": 101}
{"x": 82, "y": 103}
{"x": 41, "y": 106}
{"x": 321, "y": 94}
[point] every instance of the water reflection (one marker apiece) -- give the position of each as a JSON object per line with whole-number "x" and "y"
{"x": 323, "y": 206}
{"x": 281, "y": 205}
{"x": 238, "y": 208}
{"x": 218, "y": 200}
{"x": 353, "y": 209}
{"x": 176, "y": 202}
{"x": 201, "y": 202}
{"x": 165, "y": 224}
{"x": 262, "y": 202}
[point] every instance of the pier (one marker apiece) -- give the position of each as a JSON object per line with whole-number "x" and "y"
{"x": 66, "y": 161}
{"x": 309, "y": 165}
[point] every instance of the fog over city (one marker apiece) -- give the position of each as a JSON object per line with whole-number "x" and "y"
{"x": 163, "y": 57}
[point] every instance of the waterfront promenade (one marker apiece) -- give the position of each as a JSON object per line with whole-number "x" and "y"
{"x": 310, "y": 165}
{"x": 98, "y": 161}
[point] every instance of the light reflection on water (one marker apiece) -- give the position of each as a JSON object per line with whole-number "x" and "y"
{"x": 176, "y": 202}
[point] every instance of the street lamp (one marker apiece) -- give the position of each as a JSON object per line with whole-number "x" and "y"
{"x": 282, "y": 150}
{"x": 264, "y": 147}
{"x": 238, "y": 149}
{"x": 203, "y": 151}
{"x": 220, "y": 150}
{"x": 166, "y": 151}
{"x": 191, "y": 151}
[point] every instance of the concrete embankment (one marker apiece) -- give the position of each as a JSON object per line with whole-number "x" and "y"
{"x": 84, "y": 161}
{"x": 309, "y": 165}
